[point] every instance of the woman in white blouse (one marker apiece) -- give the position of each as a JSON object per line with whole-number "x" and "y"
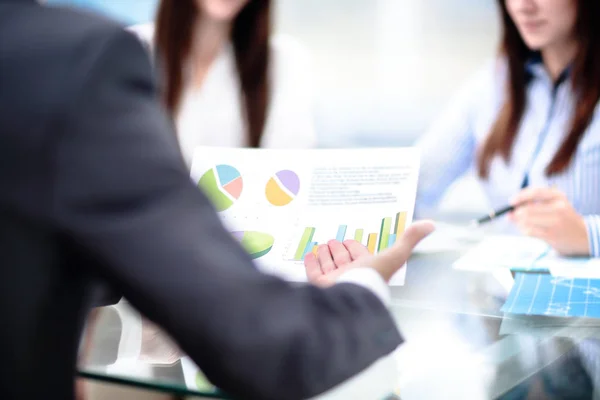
{"x": 225, "y": 80}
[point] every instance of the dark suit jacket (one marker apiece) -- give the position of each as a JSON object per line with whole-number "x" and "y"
{"x": 93, "y": 186}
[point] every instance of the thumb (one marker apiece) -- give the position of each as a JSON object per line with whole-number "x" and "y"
{"x": 390, "y": 260}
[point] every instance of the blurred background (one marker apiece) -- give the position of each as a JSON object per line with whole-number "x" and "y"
{"x": 383, "y": 69}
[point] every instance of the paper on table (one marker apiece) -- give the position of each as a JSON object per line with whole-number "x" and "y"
{"x": 574, "y": 267}
{"x": 281, "y": 204}
{"x": 505, "y": 251}
{"x": 520, "y": 253}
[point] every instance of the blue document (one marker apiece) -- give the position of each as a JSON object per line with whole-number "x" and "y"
{"x": 544, "y": 294}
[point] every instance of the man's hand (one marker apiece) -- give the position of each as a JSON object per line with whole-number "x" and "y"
{"x": 546, "y": 213}
{"x": 335, "y": 258}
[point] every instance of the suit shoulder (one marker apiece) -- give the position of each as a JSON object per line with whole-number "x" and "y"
{"x": 82, "y": 37}
{"x": 72, "y": 36}
{"x": 55, "y": 51}
{"x": 73, "y": 23}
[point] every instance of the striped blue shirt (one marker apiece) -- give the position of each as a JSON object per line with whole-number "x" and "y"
{"x": 449, "y": 148}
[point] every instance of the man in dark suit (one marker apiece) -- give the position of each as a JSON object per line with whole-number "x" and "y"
{"x": 94, "y": 187}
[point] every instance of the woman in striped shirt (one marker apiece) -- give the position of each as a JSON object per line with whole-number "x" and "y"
{"x": 529, "y": 126}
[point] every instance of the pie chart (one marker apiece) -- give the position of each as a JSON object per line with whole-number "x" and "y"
{"x": 223, "y": 185}
{"x": 257, "y": 244}
{"x": 282, "y": 188}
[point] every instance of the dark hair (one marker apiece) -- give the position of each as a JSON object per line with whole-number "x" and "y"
{"x": 250, "y": 37}
{"x": 585, "y": 75}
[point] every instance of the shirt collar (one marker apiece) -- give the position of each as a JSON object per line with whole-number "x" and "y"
{"x": 534, "y": 66}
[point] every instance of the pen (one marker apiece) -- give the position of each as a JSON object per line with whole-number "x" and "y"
{"x": 497, "y": 213}
{"x": 493, "y": 215}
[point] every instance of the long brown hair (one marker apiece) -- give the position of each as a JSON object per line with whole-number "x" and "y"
{"x": 585, "y": 81}
{"x": 250, "y": 37}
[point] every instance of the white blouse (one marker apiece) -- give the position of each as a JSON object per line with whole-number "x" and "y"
{"x": 212, "y": 115}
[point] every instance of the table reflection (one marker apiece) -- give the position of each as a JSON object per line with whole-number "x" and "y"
{"x": 459, "y": 345}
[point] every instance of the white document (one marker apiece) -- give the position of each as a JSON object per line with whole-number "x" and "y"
{"x": 575, "y": 267}
{"x": 281, "y": 204}
{"x": 506, "y": 252}
{"x": 521, "y": 253}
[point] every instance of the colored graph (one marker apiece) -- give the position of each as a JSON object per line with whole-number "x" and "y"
{"x": 257, "y": 244}
{"x": 222, "y": 185}
{"x": 544, "y": 294}
{"x": 282, "y": 188}
{"x": 376, "y": 241}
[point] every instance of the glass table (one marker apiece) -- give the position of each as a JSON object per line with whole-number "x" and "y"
{"x": 459, "y": 345}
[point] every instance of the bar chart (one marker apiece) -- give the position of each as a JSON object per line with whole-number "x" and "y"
{"x": 390, "y": 228}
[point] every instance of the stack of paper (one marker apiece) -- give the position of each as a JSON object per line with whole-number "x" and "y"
{"x": 505, "y": 252}
{"x": 574, "y": 267}
{"x": 519, "y": 253}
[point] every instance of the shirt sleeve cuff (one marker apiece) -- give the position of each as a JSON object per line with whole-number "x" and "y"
{"x": 592, "y": 223}
{"x": 369, "y": 279}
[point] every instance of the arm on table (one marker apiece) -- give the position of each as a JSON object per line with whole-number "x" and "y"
{"x": 123, "y": 195}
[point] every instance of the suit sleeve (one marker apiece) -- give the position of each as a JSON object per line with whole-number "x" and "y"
{"x": 122, "y": 194}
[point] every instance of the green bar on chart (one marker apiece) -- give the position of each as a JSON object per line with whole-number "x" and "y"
{"x": 358, "y": 235}
{"x": 384, "y": 233}
{"x": 307, "y": 237}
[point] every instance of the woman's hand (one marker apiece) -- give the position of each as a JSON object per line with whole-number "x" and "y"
{"x": 546, "y": 213}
